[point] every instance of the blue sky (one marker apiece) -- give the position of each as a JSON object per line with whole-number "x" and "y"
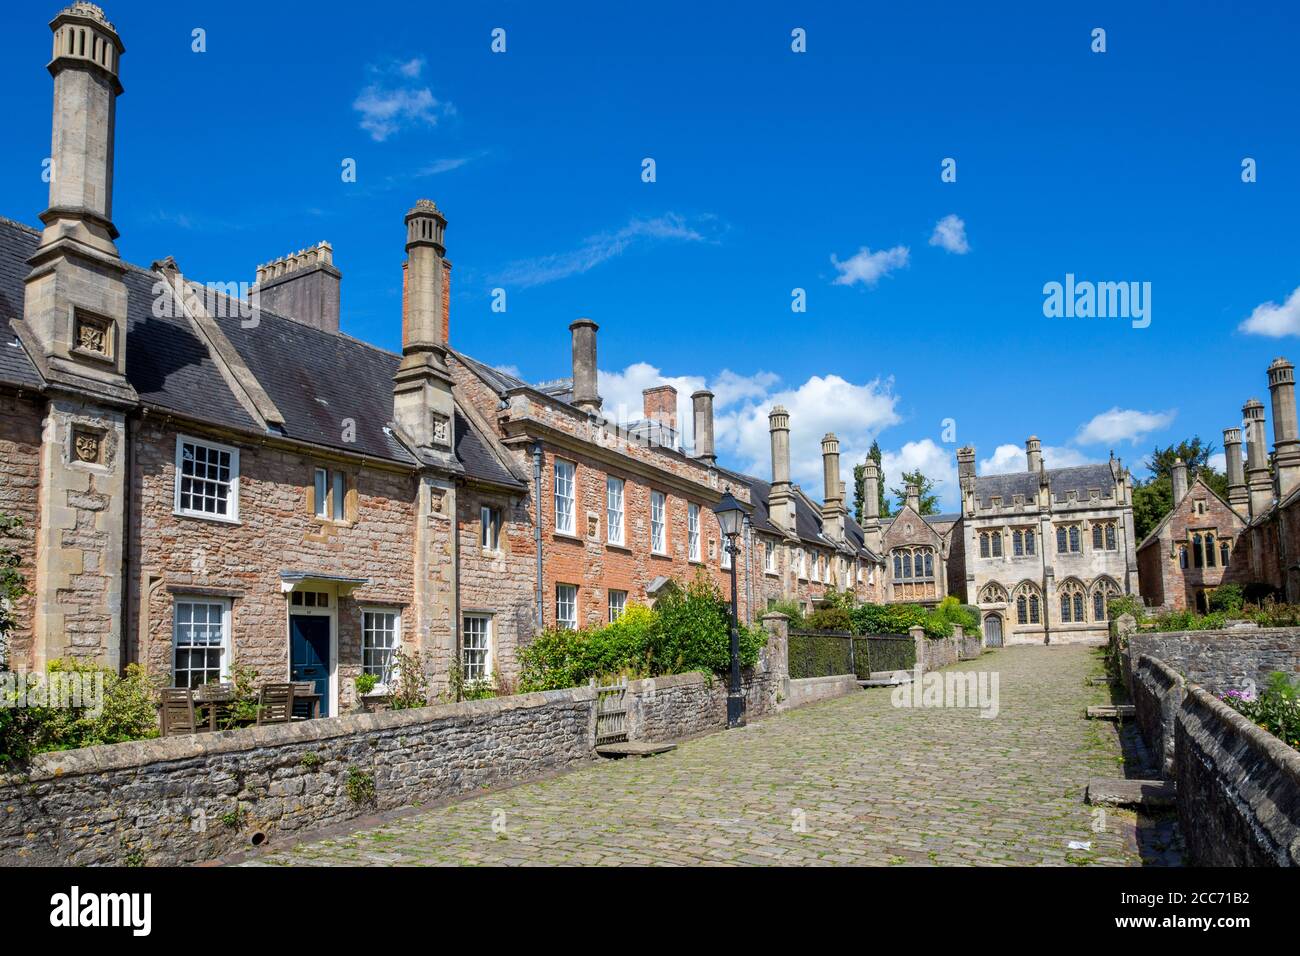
{"x": 771, "y": 168}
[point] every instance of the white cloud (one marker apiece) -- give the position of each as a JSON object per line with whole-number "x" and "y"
{"x": 950, "y": 234}
{"x": 1119, "y": 425}
{"x": 869, "y": 267}
{"x": 856, "y": 413}
{"x": 1008, "y": 459}
{"x": 936, "y": 462}
{"x": 1275, "y": 320}
{"x": 394, "y": 101}
{"x": 600, "y": 248}
{"x": 1218, "y": 461}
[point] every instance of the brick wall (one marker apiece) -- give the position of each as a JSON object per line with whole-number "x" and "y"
{"x": 20, "y": 455}
{"x": 1162, "y": 580}
{"x": 500, "y": 582}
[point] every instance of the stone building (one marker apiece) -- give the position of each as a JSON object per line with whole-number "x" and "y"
{"x": 1190, "y": 552}
{"x": 1046, "y": 548}
{"x": 208, "y": 479}
{"x": 1263, "y": 492}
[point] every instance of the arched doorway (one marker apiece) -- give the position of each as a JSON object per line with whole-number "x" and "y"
{"x": 993, "y": 630}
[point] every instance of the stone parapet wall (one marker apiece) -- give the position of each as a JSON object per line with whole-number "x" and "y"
{"x": 683, "y": 705}
{"x": 809, "y": 690}
{"x": 1238, "y": 787}
{"x": 1220, "y": 660}
{"x": 1157, "y": 691}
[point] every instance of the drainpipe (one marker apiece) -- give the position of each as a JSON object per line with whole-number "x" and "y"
{"x": 124, "y": 650}
{"x": 537, "y": 523}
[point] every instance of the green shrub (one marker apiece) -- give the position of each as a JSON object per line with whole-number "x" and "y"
{"x": 791, "y": 609}
{"x": 688, "y": 630}
{"x": 1227, "y": 597}
{"x": 1126, "y": 604}
{"x": 366, "y": 682}
{"x": 411, "y": 690}
{"x": 829, "y": 619}
{"x": 242, "y": 709}
{"x": 1276, "y": 709}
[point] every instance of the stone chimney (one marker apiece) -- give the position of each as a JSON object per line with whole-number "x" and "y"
{"x": 1258, "y": 483}
{"x": 871, "y": 505}
{"x": 913, "y": 499}
{"x": 422, "y": 403}
{"x": 966, "y": 470}
{"x": 1034, "y": 452}
{"x": 1286, "y": 436}
{"x": 585, "y": 396}
{"x": 833, "y": 510}
{"x": 702, "y": 406}
{"x": 1238, "y": 497}
{"x": 74, "y": 326}
{"x": 780, "y": 503}
{"x": 660, "y": 405}
{"x": 1180, "y": 480}
{"x": 303, "y": 286}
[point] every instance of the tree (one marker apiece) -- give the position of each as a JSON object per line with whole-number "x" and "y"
{"x": 860, "y": 484}
{"x": 929, "y": 503}
{"x": 1153, "y": 498}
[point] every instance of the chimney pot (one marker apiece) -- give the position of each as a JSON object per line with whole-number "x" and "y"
{"x": 702, "y": 406}
{"x": 1179, "y": 480}
{"x": 1034, "y": 453}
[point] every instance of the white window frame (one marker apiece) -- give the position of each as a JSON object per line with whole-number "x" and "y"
{"x": 621, "y": 604}
{"x": 387, "y": 673}
{"x": 693, "y": 532}
{"x": 232, "y": 498}
{"x": 223, "y": 670}
{"x": 572, "y": 592}
{"x": 331, "y": 494}
{"x": 488, "y": 632}
{"x": 570, "y": 475}
{"x": 769, "y": 557}
{"x": 489, "y": 519}
{"x": 660, "y": 524}
{"x": 615, "y": 489}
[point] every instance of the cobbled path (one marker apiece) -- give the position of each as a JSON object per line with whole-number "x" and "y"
{"x": 849, "y": 781}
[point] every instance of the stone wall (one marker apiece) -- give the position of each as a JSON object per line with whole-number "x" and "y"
{"x": 20, "y": 461}
{"x": 194, "y": 798}
{"x": 935, "y": 652}
{"x": 1157, "y": 691}
{"x": 1238, "y": 787}
{"x": 683, "y": 705}
{"x": 809, "y": 690}
{"x": 969, "y": 646}
{"x": 1220, "y": 660}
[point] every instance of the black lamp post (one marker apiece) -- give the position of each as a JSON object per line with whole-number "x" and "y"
{"x": 731, "y": 515}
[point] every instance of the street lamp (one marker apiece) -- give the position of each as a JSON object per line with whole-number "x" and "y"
{"x": 731, "y": 515}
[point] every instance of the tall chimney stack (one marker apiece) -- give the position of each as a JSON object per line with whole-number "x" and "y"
{"x": 871, "y": 505}
{"x": 833, "y": 510}
{"x": 585, "y": 396}
{"x": 1179, "y": 480}
{"x": 422, "y": 402}
{"x": 702, "y": 406}
{"x": 1286, "y": 436}
{"x": 781, "y": 501}
{"x": 1258, "y": 483}
{"x": 659, "y": 404}
{"x": 1034, "y": 453}
{"x": 1238, "y": 496}
{"x": 913, "y": 499}
{"x": 303, "y": 286}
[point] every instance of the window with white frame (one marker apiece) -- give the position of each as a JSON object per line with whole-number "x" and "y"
{"x": 816, "y": 568}
{"x": 207, "y": 479}
{"x": 489, "y": 535}
{"x": 693, "y": 531}
{"x": 564, "y": 497}
{"x": 476, "y": 647}
{"x": 331, "y": 494}
{"x": 614, "y": 510}
{"x": 658, "y": 536}
{"x": 380, "y": 635}
{"x": 566, "y": 606}
{"x": 617, "y": 604}
{"x": 769, "y": 557}
{"x": 725, "y": 557}
{"x": 200, "y": 641}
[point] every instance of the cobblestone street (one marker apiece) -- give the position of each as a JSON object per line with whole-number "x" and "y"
{"x": 848, "y": 781}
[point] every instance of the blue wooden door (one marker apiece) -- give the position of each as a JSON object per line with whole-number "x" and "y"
{"x": 309, "y": 654}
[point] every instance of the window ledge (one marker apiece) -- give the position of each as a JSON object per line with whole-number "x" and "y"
{"x": 220, "y": 519}
{"x": 616, "y": 546}
{"x": 662, "y": 555}
{"x": 567, "y": 536}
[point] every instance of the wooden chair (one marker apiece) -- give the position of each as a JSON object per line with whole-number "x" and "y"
{"x": 275, "y": 704}
{"x": 214, "y": 696}
{"x": 176, "y": 714}
{"x": 306, "y": 705}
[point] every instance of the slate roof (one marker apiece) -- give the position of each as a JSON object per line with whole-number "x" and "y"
{"x": 316, "y": 378}
{"x": 1080, "y": 478}
{"x": 948, "y": 518}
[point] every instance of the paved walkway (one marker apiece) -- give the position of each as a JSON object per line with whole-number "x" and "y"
{"x": 849, "y": 781}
